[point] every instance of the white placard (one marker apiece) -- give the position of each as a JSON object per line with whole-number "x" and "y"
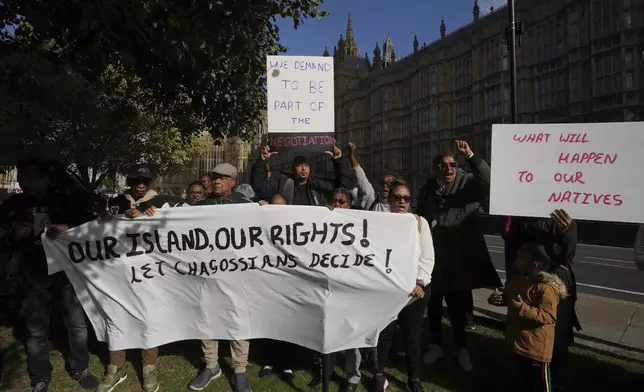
{"x": 300, "y": 94}
{"x": 593, "y": 171}
{"x": 325, "y": 280}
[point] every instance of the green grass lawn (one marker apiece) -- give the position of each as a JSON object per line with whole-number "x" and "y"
{"x": 179, "y": 363}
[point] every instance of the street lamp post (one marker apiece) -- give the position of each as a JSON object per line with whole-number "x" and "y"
{"x": 512, "y": 41}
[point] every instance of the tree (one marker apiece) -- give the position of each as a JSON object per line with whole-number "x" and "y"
{"x": 95, "y": 128}
{"x": 203, "y": 62}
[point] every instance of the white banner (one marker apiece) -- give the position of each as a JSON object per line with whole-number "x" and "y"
{"x": 300, "y": 94}
{"x": 326, "y": 280}
{"x": 593, "y": 171}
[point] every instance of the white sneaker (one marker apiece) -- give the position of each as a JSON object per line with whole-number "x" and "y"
{"x": 463, "y": 359}
{"x": 434, "y": 354}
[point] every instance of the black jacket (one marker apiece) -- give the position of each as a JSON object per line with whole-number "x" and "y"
{"x": 462, "y": 258}
{"x": 319, "y": 188}
{"x": 561, "y": 247}
{"x": 56, "y": 208}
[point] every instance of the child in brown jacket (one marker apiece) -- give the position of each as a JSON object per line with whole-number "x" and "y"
{"x": 532, "y": 297}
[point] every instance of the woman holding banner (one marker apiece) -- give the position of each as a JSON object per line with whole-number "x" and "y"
{"x": 410, "y": 318}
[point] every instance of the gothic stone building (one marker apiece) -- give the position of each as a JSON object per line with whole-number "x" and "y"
{"x": 578, "y": 61}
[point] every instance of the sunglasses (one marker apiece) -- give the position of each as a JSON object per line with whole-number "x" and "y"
{"x": 339, "y": 201}
{"x": 406, "y": 199}
{"x": 445, "y": 165}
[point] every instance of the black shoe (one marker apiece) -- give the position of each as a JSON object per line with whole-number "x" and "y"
{"x": 415, "y": 386}
{"x": 265, "y": 372}
{"x": 287, "y": 376}
{"x": 86, "y": 379}
{"x": 348, "y": 387}
{"x": 316, "y": 383}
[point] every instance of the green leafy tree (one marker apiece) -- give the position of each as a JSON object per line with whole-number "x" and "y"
{"x": 96, "y": 128}
{"x": 202, "y": 62}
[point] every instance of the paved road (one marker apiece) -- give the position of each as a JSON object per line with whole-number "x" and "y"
{"x": 600, "y": 270}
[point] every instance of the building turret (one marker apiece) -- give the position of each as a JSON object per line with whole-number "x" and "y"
{"x": 443, "y": 29}
{"x": 476, "y": 11}
{"x": 415, "y": 43}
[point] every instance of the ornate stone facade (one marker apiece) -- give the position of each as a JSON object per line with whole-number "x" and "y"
{"x": 578, "y": 61}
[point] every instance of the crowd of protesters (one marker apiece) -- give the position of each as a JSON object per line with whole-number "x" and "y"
{"x": 540, "y": 291}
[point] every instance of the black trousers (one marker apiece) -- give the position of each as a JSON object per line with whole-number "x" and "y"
{"x": 456, "y": 309}
{"x": 469, "y": 307}
{"x": 563, "y": 340}
{"x": 283, "y": 355}
{"x": 40, "y": 294}
{"x": 534, "y": 375}
{"x": 410, "y": 320}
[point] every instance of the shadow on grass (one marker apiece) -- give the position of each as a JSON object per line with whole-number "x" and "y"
{"x": 494, "y": 369}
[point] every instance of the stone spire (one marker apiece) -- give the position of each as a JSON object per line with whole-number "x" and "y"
{"x": 341, "y": 52}
{"x": 326, "y": 52}
{"x": 443, "y": 28}
{"x": 388, "y": 53}
{"x": 415, "y": 43}
{"x": 476, "y": 11}
{"x": 351, "y": 47}
{"x": 377, "y": 59}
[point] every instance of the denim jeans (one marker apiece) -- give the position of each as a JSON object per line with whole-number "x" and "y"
{"x": 40, "y": 293}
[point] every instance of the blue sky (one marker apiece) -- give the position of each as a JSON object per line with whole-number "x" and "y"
{"x": 374, "y": 19}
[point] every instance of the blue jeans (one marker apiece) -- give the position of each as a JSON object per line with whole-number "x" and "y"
{"x": 40, "y": 293}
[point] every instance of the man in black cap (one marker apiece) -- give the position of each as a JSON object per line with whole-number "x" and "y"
{"x": 136, "y": 201}
{"x": 140, "y": 197}
{"x": 300, "y": 187}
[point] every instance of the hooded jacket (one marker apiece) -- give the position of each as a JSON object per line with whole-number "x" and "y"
{"x": 462, "y": 259}
{"x": 319, "y": 189}
{"x": 530, "y": 327}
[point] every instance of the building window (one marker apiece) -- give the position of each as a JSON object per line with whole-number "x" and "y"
{"x": 551, "y": 90}
{"x": 628, "y": 80}
{"x": 434, "y": 81}
{"x": 463, "y": 73}
{"x": 506, "y": 100}
{"x": 627, "y": 14}
{"x": 433, "y": 118}
{"x": 608, "y": 74}
{"x": 628, "y": 59}
{"x": 385, "y": 99}
{"x": 496, "y": 55}
{"x": 550, "y": 39}
{"x": 606, "y": 17}
{"x": 462, "y": 112}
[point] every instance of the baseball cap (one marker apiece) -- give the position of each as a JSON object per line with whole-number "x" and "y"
{"x": 141, "y": 172}
{"x": 300, "y": 160}
{"x": 225, "y": 169}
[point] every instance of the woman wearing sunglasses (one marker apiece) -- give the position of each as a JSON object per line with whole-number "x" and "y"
{"x": 410, "y": 318}
{"x": 451, "y": 201}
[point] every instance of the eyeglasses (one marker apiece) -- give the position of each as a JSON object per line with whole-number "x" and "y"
{"x": 447, "y": 165}
{"x": 406, "y": 199}
{"x": 339, "y": 201}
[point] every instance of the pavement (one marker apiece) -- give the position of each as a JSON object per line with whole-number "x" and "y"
{"x": 604, "y": 271}
{"x": 610, "y": 310}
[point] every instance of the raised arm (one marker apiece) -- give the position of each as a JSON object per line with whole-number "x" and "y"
{"x": 264, "y": 187}
{"x": 366, "y": 192}
{"x": 342, "y": 174}
{"x": 479, "y": 179}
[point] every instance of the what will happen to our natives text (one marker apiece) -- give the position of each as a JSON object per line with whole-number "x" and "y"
{"x": 571, "y": 177}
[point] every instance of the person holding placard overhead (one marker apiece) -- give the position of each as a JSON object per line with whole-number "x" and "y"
{"x": 451, "y": 201}
{"x": 410, "y": 318}
{"x": 558, "y": 236}
{"x": 300, "y": 187}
